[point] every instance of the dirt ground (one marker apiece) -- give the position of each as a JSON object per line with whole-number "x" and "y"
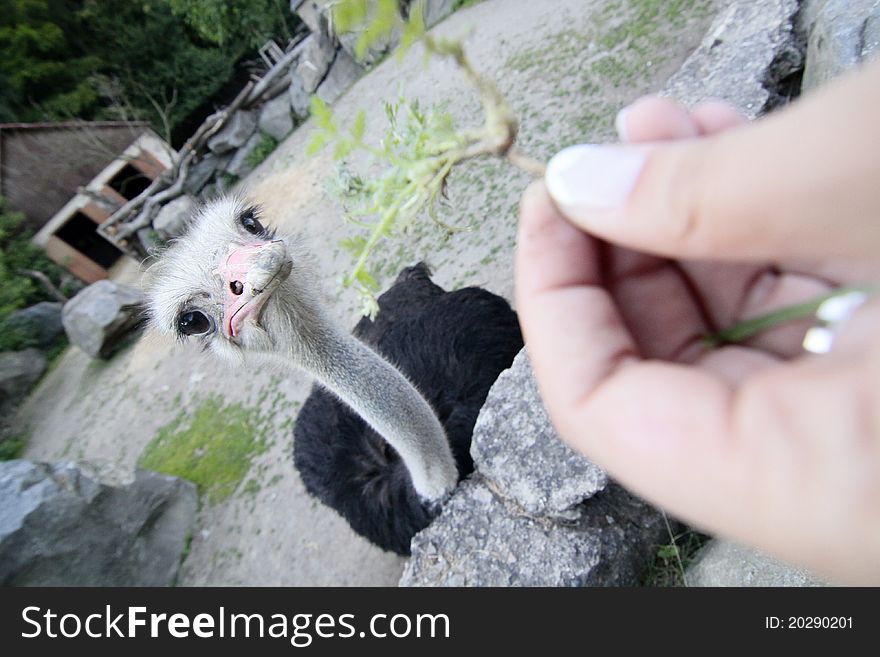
{"x": 566, "y": 67}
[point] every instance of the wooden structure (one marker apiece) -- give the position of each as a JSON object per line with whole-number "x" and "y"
{"x": 71, "y": 238}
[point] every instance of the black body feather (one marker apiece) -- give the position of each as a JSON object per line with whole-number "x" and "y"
{"x": 452, "y": 346}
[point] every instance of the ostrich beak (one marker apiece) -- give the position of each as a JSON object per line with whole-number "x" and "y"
{"x": 250, "y": 274}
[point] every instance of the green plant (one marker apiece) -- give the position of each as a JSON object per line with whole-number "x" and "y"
{"x": 672, "y": 559}
{"x": 422, "y": 146}
{"x": 11, "y": 447}
{"x": 18, "y": 254}
{"x": 213, "y": 447}
{"x": 264, "y": 148}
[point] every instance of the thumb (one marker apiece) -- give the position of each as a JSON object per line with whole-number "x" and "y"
{"x": 801, "y": 183}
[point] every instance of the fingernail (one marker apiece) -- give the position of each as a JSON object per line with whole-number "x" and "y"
{"x": 620, "y": 124}
{"x": 833, "y": 313}
{"x": 593, "y": 177}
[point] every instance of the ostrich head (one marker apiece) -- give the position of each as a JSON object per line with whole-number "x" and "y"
{"x": 244, "y": 293}
{"x": 233, "y": 286}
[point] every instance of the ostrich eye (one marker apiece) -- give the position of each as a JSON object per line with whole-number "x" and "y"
{"x": 193, "y": 322}
{"x": 250, "y": 223}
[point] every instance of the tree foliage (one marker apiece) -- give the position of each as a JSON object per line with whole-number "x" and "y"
{"x": 153, "y": 67}
{"x": 17, "y": 253}
{"x": 156, "y": 60}
{"x": 44, "y": 65}
{"x": 224, "y": 21}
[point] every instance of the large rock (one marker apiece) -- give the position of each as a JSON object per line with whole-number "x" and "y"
{"x": 314, "y": 13}
{"x": 297, "y": 95}
{"x": 722, "y": 563}
{"x": 275, "y": 118}
{"x": 314, "y": 62}
{"x": 174, "y": 217}
{"x": 842, "y": 34}
{"x": 61, "y": 526}
{"x": 202, "y": 171}
{"x": 746, "y": 58}
{"x": 480, "y": 539}
{"x": 19, "y": 371}
{"x": 40, "y": 324}
{"x": 236, "y": 132}
{"x": 150, "y": 240}
{"x": 436, "y": 10}
{"x": 517, "y": 448}
{"x": 99, "y": 317}
{"x": 239, "y": 166}
{"x": 344, "y": 72}
{"x": 534, "y": 513}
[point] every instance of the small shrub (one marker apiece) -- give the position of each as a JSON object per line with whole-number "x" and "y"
{"x": 264, "y": 148}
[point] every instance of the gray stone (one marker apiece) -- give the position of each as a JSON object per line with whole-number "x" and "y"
{"x": 722, "y": 563}
{"x": 275, "y": 118}
{"x": 344, "y": 72}
{"x": 317, "y": 56}
{"x": 61, "y": 526}
{"x": 294, "y": 5}
{"x": 237, "y": 131}
{"x": 100, "y": 316}
{"x": 174, "y": 217}
{"x": 377, "y": 50}
{"x": 436, "y": 10}
{"x": 19, "y": 371}
{"x": 150, "y": 240}
{"x": 747, "y": 54}
{"x": 202, "y": 171}
{"x": 479, "y": 539}
{"x": 297, "y": 95}
{"x": 516, "y": 447}
{"x": 41, "y": 323}
{"x": 239, "y": 166}
{"x": 842, "y": 34}
{"x": 314, "y": 13}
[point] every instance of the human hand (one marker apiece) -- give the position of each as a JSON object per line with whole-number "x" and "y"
{"x": 724, "y": 221}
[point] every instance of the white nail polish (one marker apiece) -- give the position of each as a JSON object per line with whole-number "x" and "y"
{"x": 591, "y": 177}
{"x": 832, "y": 314}
{"x": 818, "y": 340}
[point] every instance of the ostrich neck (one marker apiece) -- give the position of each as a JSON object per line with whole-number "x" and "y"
{"x": 389, "y": 403}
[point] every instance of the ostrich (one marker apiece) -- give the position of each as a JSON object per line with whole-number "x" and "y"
{"x": 385, "y": 433}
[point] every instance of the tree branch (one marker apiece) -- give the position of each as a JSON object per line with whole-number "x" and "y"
{"x": 44, "y": 281}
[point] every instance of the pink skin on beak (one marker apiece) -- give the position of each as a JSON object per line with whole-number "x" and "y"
{"x": 250, "y": 273}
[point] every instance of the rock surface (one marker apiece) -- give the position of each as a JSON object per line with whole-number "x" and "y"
{"x": 100, "y": 317}
{"x": 745, "y": 58}
{"x": 297, "y": 95}
{"x": 19, "y": 371}
{"x": 61, "y": 526}
{"x": 150, "y": 240}
{"x": 173, "y": 218}
{"x": 275, "y": 118}
{"x": 201, "y": 172}
{"x": 236, "y": 132}
{"x": 312, "y": 13}
{"x": 41, "y": 323}
{"x": 479, "y": 539}
{"x": 722, "y": 563}
{"x": 534, "y": 513}
{"x": 315, "y": 60}
{"x": 239, "y": 165}
{"x": 343, "y": 73}
{"x": 517, "y": 448}
{"x": 437, "y": 10}
{"x": 842, "y": 34}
